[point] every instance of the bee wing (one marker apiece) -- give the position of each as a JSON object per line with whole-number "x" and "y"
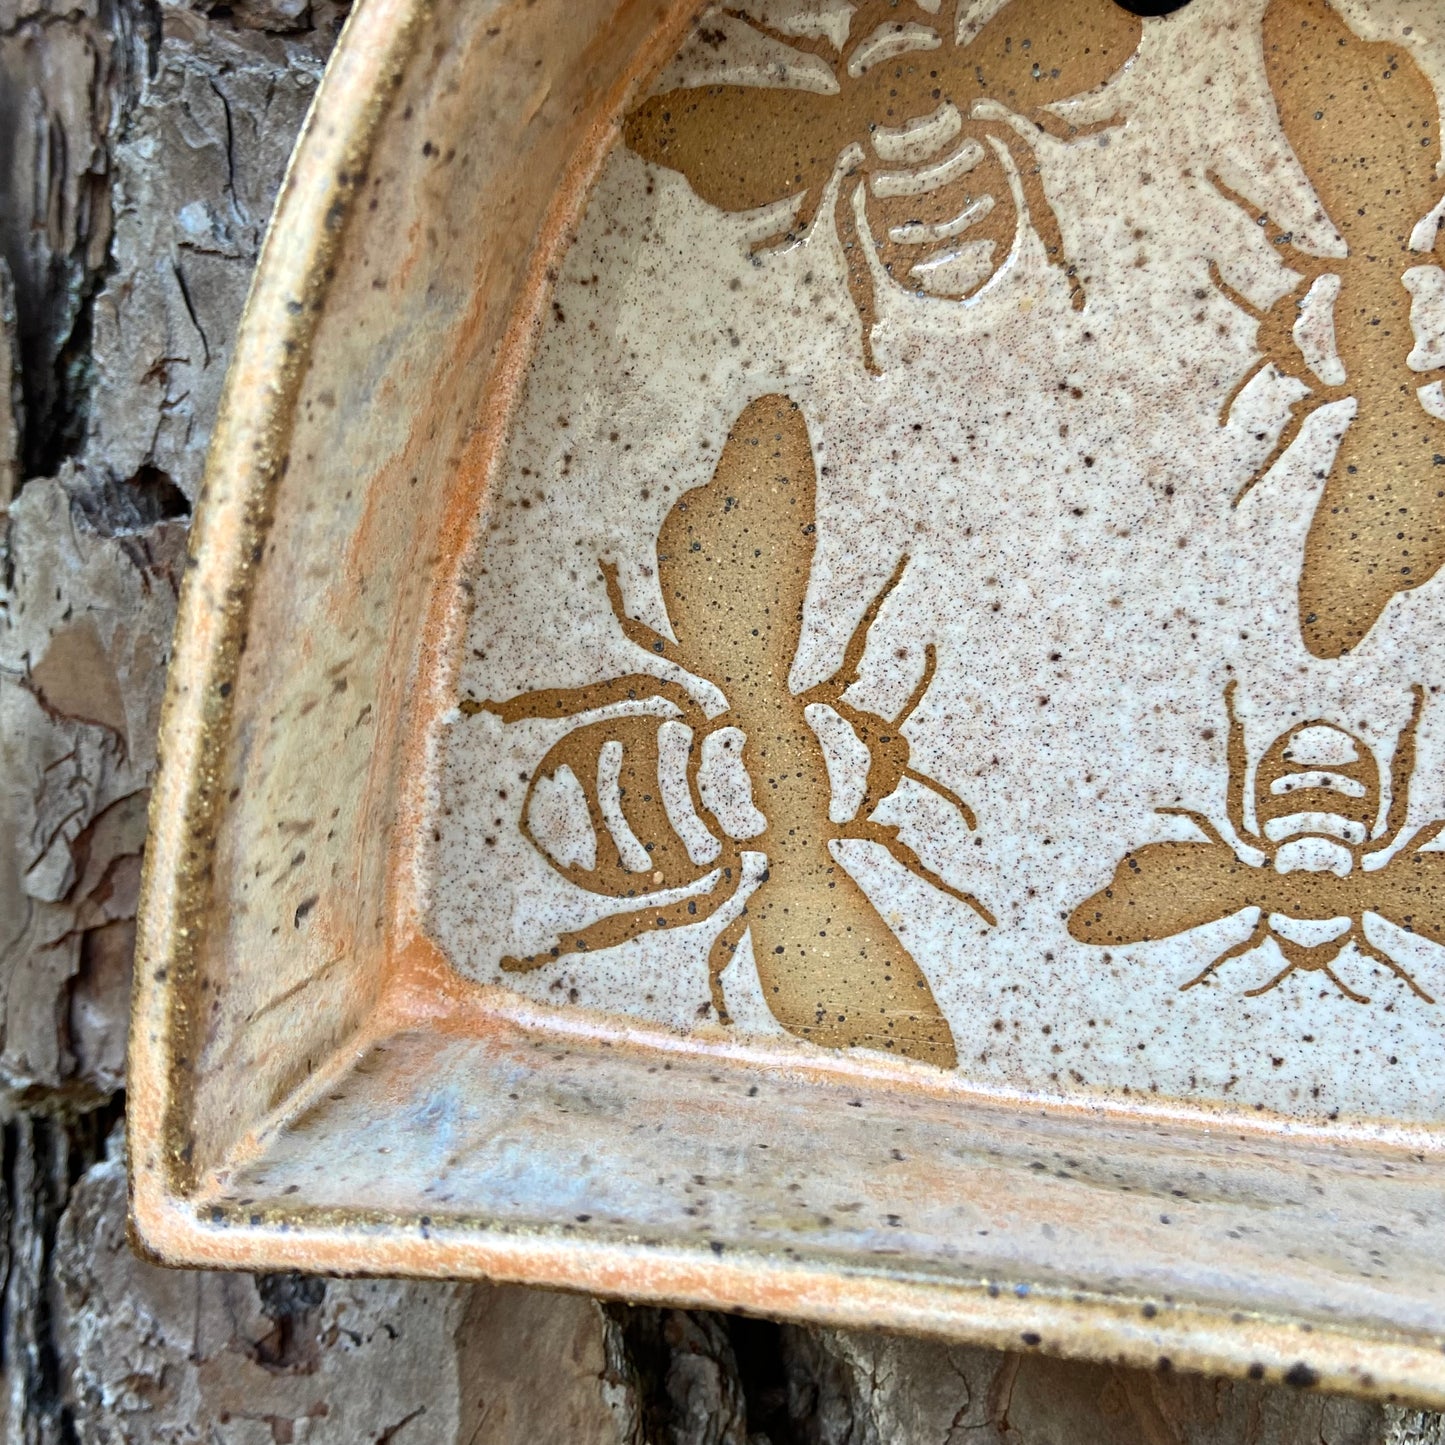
{"x": 833, "y": 971}
{"x": 733, "y": 559}
{"x": 742, "y": 146}
{"x": 1364, "y": 121}
{"x": 1409, "y": 891}
{"x": 1070, "y": 50}
{"x": 1166, "y": 888}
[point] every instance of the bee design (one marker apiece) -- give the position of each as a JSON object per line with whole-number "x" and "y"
{"x": 1327, "y": 860}
{"x": 1363, "y": 121}
{"x": 922, "y": 135}
{"x": 648, "y": 799}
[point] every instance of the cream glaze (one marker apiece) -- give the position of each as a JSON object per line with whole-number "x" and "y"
{"x": 1064, "y": 488}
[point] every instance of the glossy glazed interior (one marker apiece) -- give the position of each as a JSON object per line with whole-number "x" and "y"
{"x": 1136, "y": 504}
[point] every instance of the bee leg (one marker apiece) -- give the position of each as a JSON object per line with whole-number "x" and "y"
{"x": 1417, "y": 840}
{"x": 1286, "y": 440}
{"x": 620, "y": 928}
{"x": 1297, "y": 961}
{"x": 1340, "y": 984}
{"x": 847, "y": 674}
{"x": 856, "y": 270}
{"x": 1065, "y": 130}
{"x": 902, "y": 853}
{"x": 1284, "y": 973}
{"x": 724, "y": 946}
{"x": 561, "y": 702}
{"x": 1258, "y": 935}
{"x": 1294, "y": 423}
{"x": 898, "y": 745}
{"x": 1402, "y": 769}
{"x": 1237, "y": 755}
{"x": 948, "y": 796}
{"x": 1296, "y": 419}
{"x": 1232, "y": 396}
{"x": 1357, "y": 937}
{"x": 930, "y": 666}
{"x": 638, "y": 633}
{"x": 797, "y": 226}
{"x": 831, "y": 691}
{"x": 809, "y": 44}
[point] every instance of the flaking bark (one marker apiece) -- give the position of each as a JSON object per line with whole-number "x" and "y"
{"x": 143, "y": 147}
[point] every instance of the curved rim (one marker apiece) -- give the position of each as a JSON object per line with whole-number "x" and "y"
{"x": 246, "y": 459}
{"x": 245, "y": 462}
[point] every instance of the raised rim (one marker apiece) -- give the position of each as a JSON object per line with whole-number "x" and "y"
{"x": 232, "y": 514}
{"x": 233, "y": 509}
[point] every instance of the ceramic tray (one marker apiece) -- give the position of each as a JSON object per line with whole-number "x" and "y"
{"x": 811, "y": 680}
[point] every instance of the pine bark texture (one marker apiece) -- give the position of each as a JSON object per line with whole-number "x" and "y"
{"x": 141, "y": 146}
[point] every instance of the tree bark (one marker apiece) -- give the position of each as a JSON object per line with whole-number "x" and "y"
{"x": 143, "y": 144}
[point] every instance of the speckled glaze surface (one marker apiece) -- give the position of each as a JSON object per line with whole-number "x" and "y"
{"x": 812, "y": 677}
{"x": 1095, "y": 494}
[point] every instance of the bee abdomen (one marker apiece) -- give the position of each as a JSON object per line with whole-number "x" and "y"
{"x": 630, "y": 848}
{"x": 611, "y": 807}
{"x": 674, "y": 748}
{"x": 560, "y": 820}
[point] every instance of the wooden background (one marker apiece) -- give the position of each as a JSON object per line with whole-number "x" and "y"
{"x": 141, "y": 145}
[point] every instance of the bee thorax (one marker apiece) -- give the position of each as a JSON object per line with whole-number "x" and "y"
{"x": 1313, "y": 855}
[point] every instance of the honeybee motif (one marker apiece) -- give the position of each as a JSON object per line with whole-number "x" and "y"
{"x": 647, "y": 798}
{"x": 922, "y": 132}
{"x": 1328, "y": 860}
{"x": 1363, "y": 121}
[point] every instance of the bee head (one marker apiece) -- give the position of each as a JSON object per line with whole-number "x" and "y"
{"x": 1319, "y": 780}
